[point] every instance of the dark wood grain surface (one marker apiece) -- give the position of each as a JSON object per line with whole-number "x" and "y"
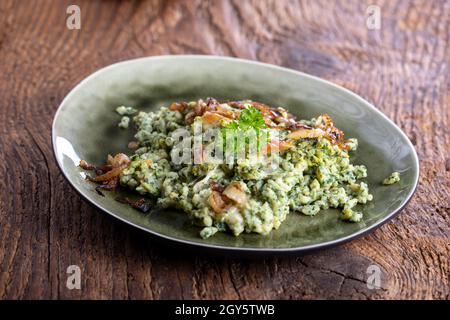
{"x": 402, "y": 68}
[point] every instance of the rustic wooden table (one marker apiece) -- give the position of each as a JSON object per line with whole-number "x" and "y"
{"x": 403, "y": 68}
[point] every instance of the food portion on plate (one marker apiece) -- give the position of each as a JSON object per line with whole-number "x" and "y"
{"x": 236, "y": 167}
{"x": 393, "y": 178}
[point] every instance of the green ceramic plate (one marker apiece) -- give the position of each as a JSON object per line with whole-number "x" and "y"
{"x": 85, "y": 127}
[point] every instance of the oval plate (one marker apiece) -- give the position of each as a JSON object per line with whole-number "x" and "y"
{"x": 85, "y": 127}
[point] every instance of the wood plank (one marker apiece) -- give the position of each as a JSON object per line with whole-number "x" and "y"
{"x": 403, "y": 68}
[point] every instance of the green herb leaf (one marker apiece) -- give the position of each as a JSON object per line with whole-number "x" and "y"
{"x": 251, "y": 117}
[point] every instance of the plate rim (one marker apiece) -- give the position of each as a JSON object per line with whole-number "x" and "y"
{"x": 215, "y": 247}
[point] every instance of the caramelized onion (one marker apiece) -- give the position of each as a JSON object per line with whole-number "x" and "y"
{"x": 119, "y": 160}
{"x": 214, "y": 118}
{"x": 226, "y": 113}
{"x": 216, "y": 202}
{"x": 215, "y": 186}
{"x": 108, "y": 175}
{"x": 178, "y": 106}
{"x": 141, "y": 204}
{"x": 110, "y": 171}
{"x": 306, "y": 133}
{"x": 235, "y": 193}
{"x": 333, "y": 134}
{"x": 275, "y": 145}
{"x": 98, "y": 169}
{"x": 108, "y": 185}
{"x": 86, "y": 166}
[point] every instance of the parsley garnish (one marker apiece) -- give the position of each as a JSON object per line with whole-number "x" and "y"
{"x": 249, "y": 118}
